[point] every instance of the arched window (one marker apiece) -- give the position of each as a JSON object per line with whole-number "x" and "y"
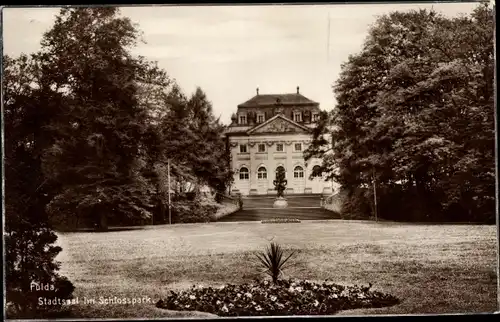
{"x": 261, "y": 173}
{"x": 298, "y": 172}
{"x": 315, "y": 171}
{"x": 244, "y": 175}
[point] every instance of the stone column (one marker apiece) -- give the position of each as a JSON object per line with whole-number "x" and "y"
{"x": 252, "y": 180}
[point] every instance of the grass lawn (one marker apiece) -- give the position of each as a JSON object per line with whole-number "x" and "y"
{"x": 432, "y": 268}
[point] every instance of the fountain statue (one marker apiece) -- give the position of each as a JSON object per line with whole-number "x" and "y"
{"x": 280, "y": 186}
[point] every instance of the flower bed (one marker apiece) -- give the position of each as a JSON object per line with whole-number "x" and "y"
{"x": 289, "y": 297}
{"x": 280, "y": 221}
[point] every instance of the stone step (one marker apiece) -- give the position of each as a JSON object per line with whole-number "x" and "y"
{"x": 295, "y": 201}
{"x": 315, "y": 213}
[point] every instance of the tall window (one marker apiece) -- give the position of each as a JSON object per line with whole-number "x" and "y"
{"x": 244, "y": 175}
{"x": 297, "y": 117}
{"x": 243, "y": 148}
{"x": 315, "y": 117}
{"x": 280, "y": 147}
{"x": 280, "y": 168}
{"x": 298, "y": 147}
{"x": 261, "y": 173}
{"x": 261, "y": 147}
{"x": 243, "y": 119}
{"x": 260, "y": 118}
{"x": 315, "y": 171}
{"x": 298, "y": 172}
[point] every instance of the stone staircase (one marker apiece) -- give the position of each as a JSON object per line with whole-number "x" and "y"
{"x": 302, "y": 207}
{"x": 311, "y": 200}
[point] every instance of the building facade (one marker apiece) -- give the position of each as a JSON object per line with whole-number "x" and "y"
{"x": 272, "y": 131}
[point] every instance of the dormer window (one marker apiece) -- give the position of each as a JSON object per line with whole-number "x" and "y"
{"x": 260, "y": 118}
{"x": 297, "y": 116}
{"x": 243, "y": 119}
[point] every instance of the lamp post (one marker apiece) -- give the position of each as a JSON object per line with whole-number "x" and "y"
{"x": 169, "y": 211}
{"x": 375, "y": 194}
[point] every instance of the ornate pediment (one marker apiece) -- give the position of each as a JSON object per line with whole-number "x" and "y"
{"x": 279, "y": 124}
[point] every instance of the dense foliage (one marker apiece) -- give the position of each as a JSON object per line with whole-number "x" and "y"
{"x": 89, "y": 128}
{"x": 30, "y": 248}
{"x": 288, "y": 297}
{"x": 192, "y": 212}
{"x": 415, "y": 119}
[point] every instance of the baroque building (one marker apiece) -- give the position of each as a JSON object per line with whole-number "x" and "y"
{"x": 270, "y": 131}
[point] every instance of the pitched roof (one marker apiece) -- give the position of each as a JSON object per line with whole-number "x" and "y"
{"x": 237, "y": 129}
{"x": 271, "y": 99}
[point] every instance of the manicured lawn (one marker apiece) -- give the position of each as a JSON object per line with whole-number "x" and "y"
{"x": 432, "y": 268}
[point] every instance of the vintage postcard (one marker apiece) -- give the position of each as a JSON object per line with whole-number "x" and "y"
{"x": 249, "y": 160}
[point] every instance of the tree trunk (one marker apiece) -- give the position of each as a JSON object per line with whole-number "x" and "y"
{"x": 161, "y": 214}
{"x": 102, "y": 220}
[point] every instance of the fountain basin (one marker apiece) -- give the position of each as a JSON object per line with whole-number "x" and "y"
{"x": 280, "y": 203}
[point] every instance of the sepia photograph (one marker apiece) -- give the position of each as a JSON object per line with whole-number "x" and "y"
{"x": 250, "y": 160}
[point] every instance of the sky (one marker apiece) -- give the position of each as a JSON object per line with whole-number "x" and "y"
{"x": 229, "y": 51}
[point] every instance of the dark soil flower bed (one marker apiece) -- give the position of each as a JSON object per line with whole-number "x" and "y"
{"x": 280, "y": 221}
{"x": 289, "y": 297}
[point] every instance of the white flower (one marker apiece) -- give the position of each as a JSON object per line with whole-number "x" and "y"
{"x": 291, "y": 289}
{"x": 315, "y": 287}
{"x": 218, "y": 302}
{"x": 238, "y": 295}
{"x": 273, "y": 298}
{"x": 299, "y": 289}
{"x": 293, "y": 284}
{"x": 253, "y": 302}
{"x": 222, "y": 287}
{"x": 266, "y": 283}
{"x": 225, "y": 309}
{"x": 361, "y": 296}
{"x": 192, "y": 297}
{"x": 335, "y": 296}
{"x": 316, "y": 303}
{"x": 249, "y": 295}
{"x": 187, "y": 306}
{"x": 258, "y": 308}
{"x": 231, "y": 305}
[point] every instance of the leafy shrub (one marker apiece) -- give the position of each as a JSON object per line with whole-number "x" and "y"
{"x": 30, "y": 259}
{"x": 192, "y": 212}
{"x": 400, "y": 203}
{"x": 287, "y": 297}
{"x": 273, "y": 261}
{"x": 280, "y": 221}
{"x": 356, "y": 205}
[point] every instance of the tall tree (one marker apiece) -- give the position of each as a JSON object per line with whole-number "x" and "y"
{"x": 95, "y": 158}
{"x": 212, "y": 160}
{"x": 30, "y": 248}
{"x": 415, "y": 113}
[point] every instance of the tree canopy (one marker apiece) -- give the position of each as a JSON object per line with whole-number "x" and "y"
{"x": 415, "y": 113}
{"x": 89, "y": 128}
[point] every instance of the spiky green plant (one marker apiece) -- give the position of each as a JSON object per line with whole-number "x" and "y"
{"x": 273, "y": 261}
